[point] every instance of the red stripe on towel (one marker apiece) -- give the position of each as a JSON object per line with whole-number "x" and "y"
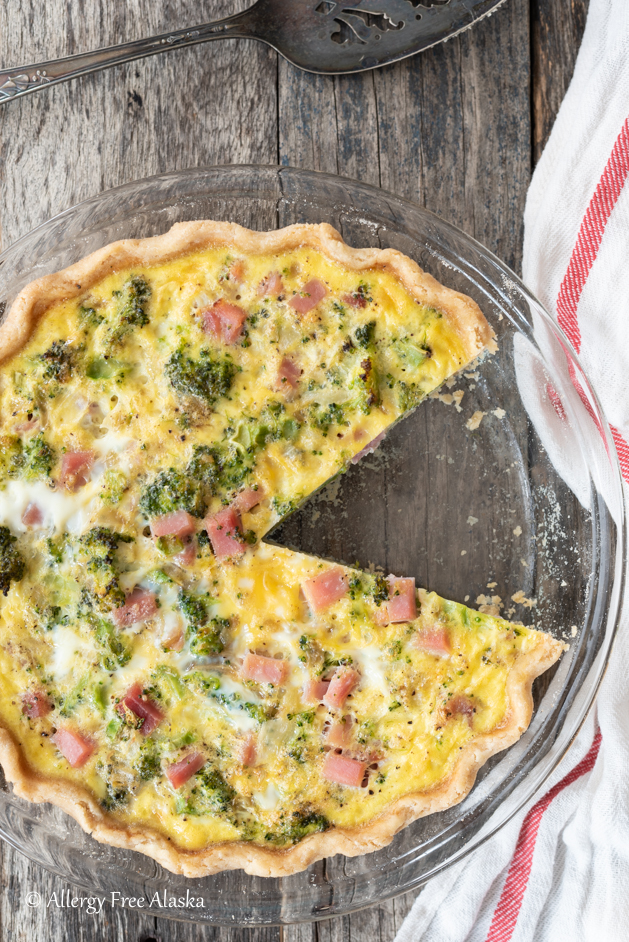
{"x": 591, "y": 235}
{"x": 508, "y": 909}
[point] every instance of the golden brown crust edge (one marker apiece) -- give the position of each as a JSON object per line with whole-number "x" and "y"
{"x": 271, "y": 862}
{"x": 37, "y": 297}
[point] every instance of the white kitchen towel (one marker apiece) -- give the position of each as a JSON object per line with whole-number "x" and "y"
{"x": 560, "y": 870}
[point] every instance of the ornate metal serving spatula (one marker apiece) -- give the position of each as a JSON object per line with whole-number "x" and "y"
{"x": 326, "y": 36}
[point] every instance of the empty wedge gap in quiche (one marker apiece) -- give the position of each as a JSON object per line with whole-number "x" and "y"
{"x": 178, "y": 685}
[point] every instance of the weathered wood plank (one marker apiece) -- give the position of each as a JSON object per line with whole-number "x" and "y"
{"x": 557, "y": 29}
{"x": 191, "y": 107}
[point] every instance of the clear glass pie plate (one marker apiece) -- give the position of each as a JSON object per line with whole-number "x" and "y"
{"x": 526, "y": 504}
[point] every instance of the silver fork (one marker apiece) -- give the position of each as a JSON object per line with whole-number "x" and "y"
{"x": 324, "y": 36}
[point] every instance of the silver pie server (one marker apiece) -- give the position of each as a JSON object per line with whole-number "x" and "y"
{"x": 321, "y": 36}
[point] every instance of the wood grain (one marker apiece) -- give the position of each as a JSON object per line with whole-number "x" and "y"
{"x": 457, "y": 129}
{"x": 556, "y": 32}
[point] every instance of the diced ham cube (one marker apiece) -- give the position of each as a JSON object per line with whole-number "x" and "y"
{"x": 75, "y": 469}
{"x": 179, "y": 773}
{"x": 310, "y": 295}
{"x": 325, "y": 589}
{"x": 433, "y": 640}
{"x": 271, "y": 286}
{"x": 357, "y": 299}
{"x": 340, "y": 733}
{"x": 237, "y": 270}
{"x": 315, "y": 690}
{"x": 264, "y": 670}
{"x": 35, "y": 703}
{"x": 139, "y": 606}
{"x": 188, "y": 554}
{"x": 288, "y": 375}
{"x": 460, "y": 705}
{"x": 143, "y": 708}
{"x": 247, "y": 749}
{"x": 368, "y": 449}
{"x": 247, "y": 499}
{"x": 401, "y": 605}
{"x": 73, "y": 746}
{"x": 225, "y": 533}
{"x": 343, "y": 770}
{"x": 224, "y": 321}
{"x": 180, "y": 523}
{"x": 341, "y": 685}
{"x": 33, "y": 516}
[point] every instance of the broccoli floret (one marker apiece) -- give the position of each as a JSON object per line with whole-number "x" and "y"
{"x": 37, "y": 458}
{"x": 366, "y": 385}
{"x": 206, "y": 379}
{"x": 116, "y": 783}
{"x": 102, "y": 543}
{"x": 222, "y": 468}
{"x": 379, "y": 589}
{"x": 409, "y": 395}
{"x": 270, "y": 426}
{"x": 297, "y": 747}
{"x": 365, "y": 335}
{"x": 173, "y": 682}
{"x": 56, "y": 548}
{"x": 217, "y": 792}
{"x": 89, "y": 316}
{"x": 173, "y": 490}
{"x": 299, "y": 825}
{"x": 206, "y": 634}
{"x": 210, "y": 794}
{"x": 11, "y": 457}
{"x": 208, "y": 639}
{"x": 202, "y": 683}
{"x": 58, "y": 361}
{"x": 284, "y": 507}
{"x": 355, "y": 587}
{"x": 410, "y": 353}
{"x": 114, "y": 486}
{"x": 51, "y": 616}
{"x": 323, "y": 419}
{"x": 98, "y": 547}
{"x": 194, "y": 608}
{"x": 131, "y": 304}
{"x": 147, "y": 764}
{"x": 256, "y": 712}
{"x": 204, "y": 544}
{"x": 12, "y": 565}
{"x": 114, "y": 650}
{"x": 69, "y": 703}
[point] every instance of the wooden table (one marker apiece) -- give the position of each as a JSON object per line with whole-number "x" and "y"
{"x": 458, "y": 129}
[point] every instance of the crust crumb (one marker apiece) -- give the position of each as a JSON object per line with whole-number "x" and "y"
{"x": 489, "y": 605}
{"x": 520, "y": 599}
{"x": 475, "y": 421}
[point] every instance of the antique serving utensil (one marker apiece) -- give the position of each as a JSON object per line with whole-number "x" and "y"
{"x": 315, "y": 35}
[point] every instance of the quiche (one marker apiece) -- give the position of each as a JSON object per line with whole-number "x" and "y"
{"x": 177, "y": 684}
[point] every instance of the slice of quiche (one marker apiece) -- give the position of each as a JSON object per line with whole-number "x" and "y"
{"x": 179, "y": 686}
